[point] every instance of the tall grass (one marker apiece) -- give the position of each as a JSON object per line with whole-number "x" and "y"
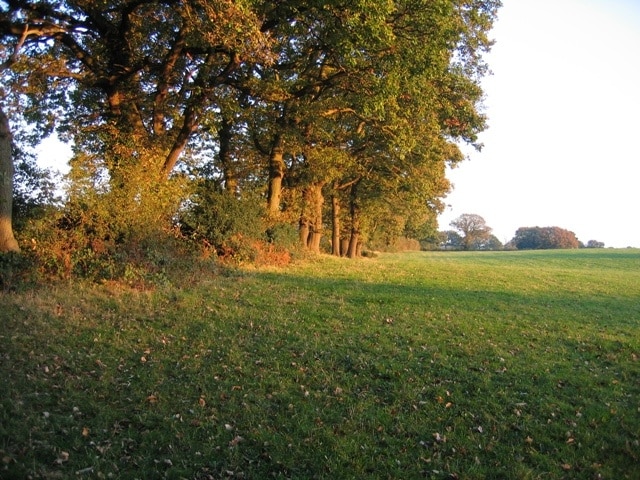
{"x": 509, "y": 365}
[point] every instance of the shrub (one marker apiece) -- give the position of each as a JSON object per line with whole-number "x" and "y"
{"x": 229, "y": 224}
{"x": 284, "y": 235}
{"x": 16, "y": 270}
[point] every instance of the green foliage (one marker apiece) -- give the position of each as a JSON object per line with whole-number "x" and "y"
{"x": 284, "y": 235}
{"x": 371, "y": 92}
{"x": 35, "y": 192}
{"x": 223, "y": 221}
{"x": 441, "y": 365}
{"x": 452, "y": 240}
{"x": 106, "y": 233}
{"x": 16, "y": 271}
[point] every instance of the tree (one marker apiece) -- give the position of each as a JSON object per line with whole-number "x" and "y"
{"x": 595, "y": 244}
{"x": 365, "y": 84}
{"x": 452, "y": 240}
{"x": 131, "y": 82}
{"x": 364, "y": 102}
{"x": 473, "y": 229}
{"x": 539, "y": 238}
{"x": 491, "y": 243}
{"x": 8, "y": 242}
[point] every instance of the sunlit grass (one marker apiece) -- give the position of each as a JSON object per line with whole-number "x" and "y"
{"x": 426, "y": 365}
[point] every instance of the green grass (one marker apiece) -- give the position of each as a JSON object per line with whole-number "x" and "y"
{"x": 505, "y": 365}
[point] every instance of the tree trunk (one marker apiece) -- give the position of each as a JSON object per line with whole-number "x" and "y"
{"x": 317, "y": 202}
{"x": 344, "y": 246}
{"x": 354, "y": 239}
{"x": 8, "y": 242}
{"x": 335, "y": 225}
{"x": 226, "y": 160}
{"x": 303, "y": 231}
{"x": 276, "y": 174}
{"x": 189, "y": 125}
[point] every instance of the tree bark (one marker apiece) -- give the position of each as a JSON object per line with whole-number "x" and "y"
{"x": 304, "y": 231}
{"x": 344, "y": 246}
{"x": 8, "y": 242}
{"x": 276, "y": 174}
{"x": 317, "y": 201}
{"x": 189, "y": 125}
{"x": 354, "y": 240}
{"x": 226, "y": 159}
{"x": 335, "y": 225}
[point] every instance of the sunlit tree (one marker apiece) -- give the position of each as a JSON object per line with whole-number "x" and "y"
{"x": 534, "y": 238}
{"x": 473, "y": 230}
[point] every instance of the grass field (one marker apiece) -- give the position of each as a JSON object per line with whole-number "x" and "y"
{"x": 505, "y": 365}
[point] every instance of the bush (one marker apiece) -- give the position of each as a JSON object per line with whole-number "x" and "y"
{"x": 226, "y": 223}
{"x": 108, "y": 234}
{"x": 283, "y": 235}
{"x": 16, "y": 270}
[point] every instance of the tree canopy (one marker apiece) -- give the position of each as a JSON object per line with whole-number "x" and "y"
{"x": 291, "y": 102}
{"x": 540, "y": 238}
{"x": 474, "y": 231}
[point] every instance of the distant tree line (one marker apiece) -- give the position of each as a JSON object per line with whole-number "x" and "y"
{"x": 471, "y": 232}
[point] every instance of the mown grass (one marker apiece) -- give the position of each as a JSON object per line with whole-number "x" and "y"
{"x": 506, "y": 365}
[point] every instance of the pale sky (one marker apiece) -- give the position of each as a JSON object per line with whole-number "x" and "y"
{"x": 563, "y": 103}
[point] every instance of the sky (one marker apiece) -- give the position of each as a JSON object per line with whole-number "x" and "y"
{"x": 563, "y": 106}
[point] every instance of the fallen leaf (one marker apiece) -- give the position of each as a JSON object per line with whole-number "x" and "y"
{"x": 152, "y": 399}
{"x": 103, "y": 448}
{"x": 202, "y": 402}
{"x": 237, "y": 439}
{"x": 85, "y": 432}
{"x": 62, "y": 457}
{"x": 566, "y": 467}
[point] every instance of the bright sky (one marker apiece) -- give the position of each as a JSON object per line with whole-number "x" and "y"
{"x": 564, "y": 123}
